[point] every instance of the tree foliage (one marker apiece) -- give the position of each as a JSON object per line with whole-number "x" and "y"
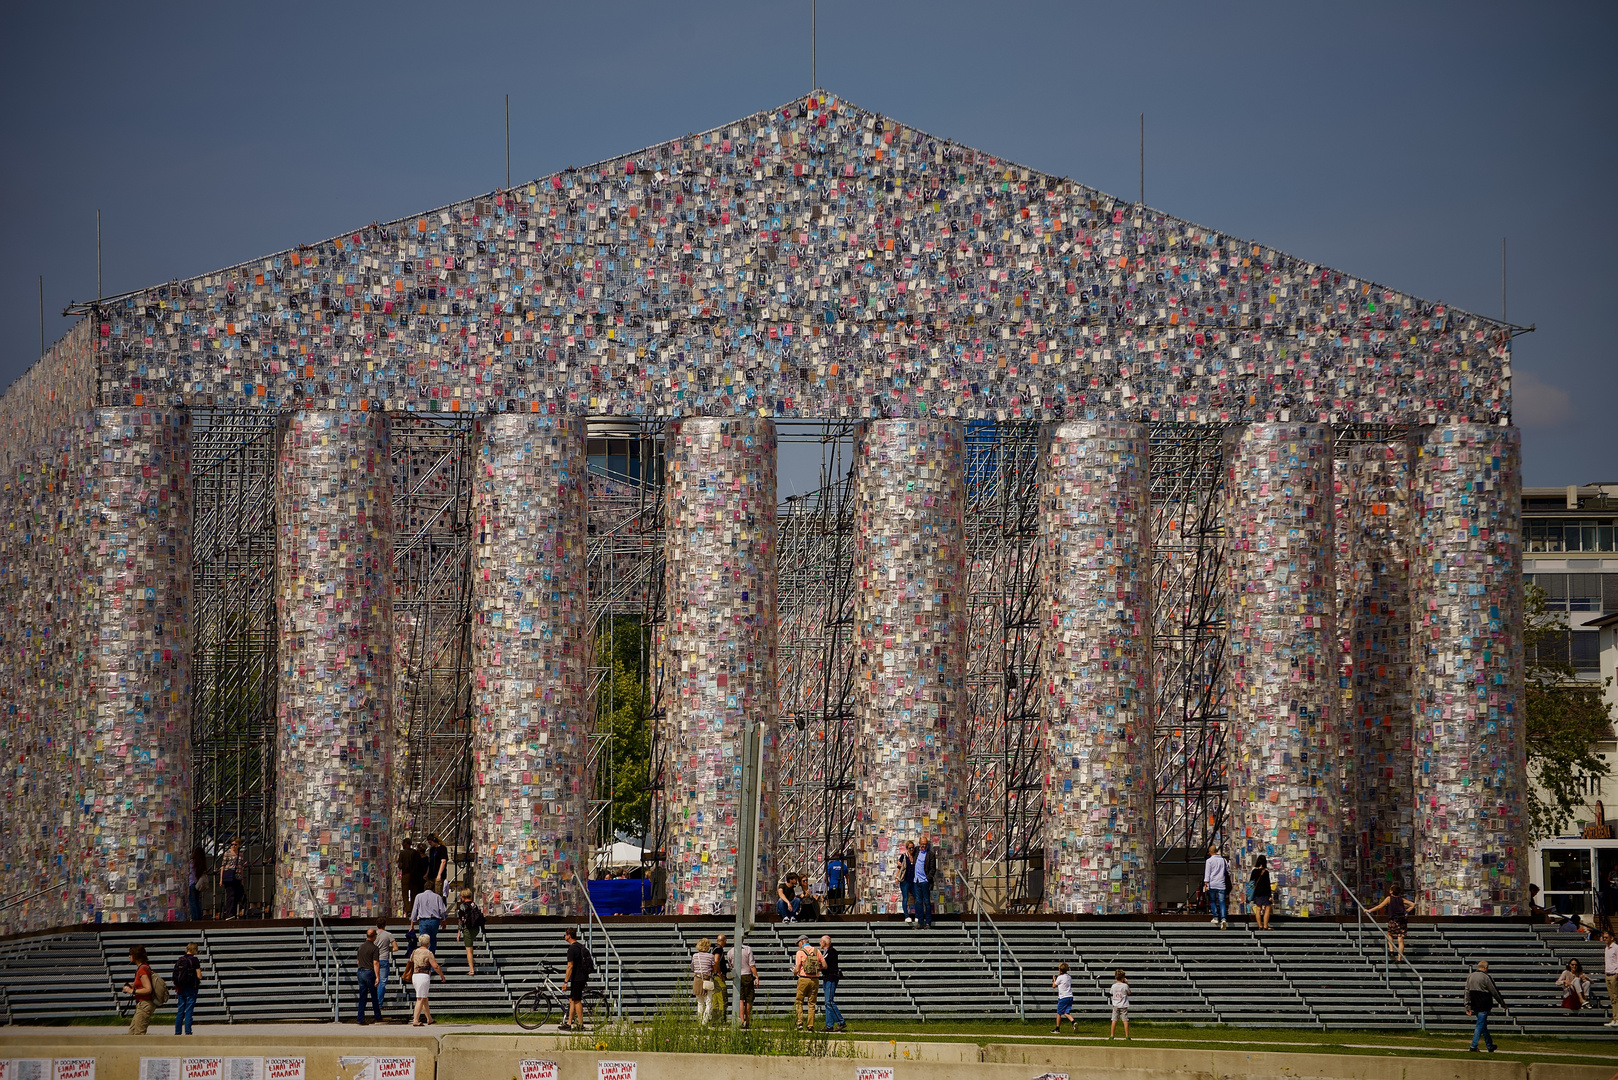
{"x": 1566, "y": 718}
{"x": 621, "y": 700}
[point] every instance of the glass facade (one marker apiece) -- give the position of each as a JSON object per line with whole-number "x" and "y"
{"x": 1569, "y": 534}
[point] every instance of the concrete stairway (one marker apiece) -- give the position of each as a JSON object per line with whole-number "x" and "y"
{"x": 1304, "y": 973}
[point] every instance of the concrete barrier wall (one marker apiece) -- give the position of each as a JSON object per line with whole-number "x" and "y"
{"x": 498, "y": 1057}
{"x": 117, "y": 1057}
{"x": 1152, "y": 1063}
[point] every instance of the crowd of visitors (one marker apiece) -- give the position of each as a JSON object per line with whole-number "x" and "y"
{"x": 716, "y": 966}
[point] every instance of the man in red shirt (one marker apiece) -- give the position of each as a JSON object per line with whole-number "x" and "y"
{"x": 141, "y": 988}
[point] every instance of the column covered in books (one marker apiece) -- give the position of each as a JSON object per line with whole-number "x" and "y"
{"x": 719, "y": 652}
{"x": 910, "y": 626}
{"x": 1282, "y": 670}
{"x": 1095, "y": 566}
{"x": 1471, "y": 814}
{"x": 334, "y": 603}
{"x": 532, "y": 709}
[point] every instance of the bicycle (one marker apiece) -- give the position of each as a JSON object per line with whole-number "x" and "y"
{"x": 547, "y": 1003}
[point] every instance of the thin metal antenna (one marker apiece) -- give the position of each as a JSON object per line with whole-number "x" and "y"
{"x": 98, "y": 254}
{"x": 1502, "y": 279}
{"x": 42, "y": 314}
{"x": 1143, "y": 159}
{"x": 508, "y": 142}
{"x": 814, "y": 44}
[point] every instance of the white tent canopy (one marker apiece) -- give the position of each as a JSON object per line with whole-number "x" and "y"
{"x": 621, "y": 853}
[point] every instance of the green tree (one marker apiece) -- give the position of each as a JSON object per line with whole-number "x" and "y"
{"x": 621, "y": 707}
{"x": 1566, "y": 718}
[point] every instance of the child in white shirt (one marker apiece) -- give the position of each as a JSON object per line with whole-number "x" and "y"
{"x": 1064, "y": 999}
{"x": 1120, "y": 1003}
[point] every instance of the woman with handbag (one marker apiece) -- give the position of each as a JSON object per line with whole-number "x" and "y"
{"x": 702, "y": 979}
{"x": 1260, "y": 893}
{"x": 1576, "y": 985}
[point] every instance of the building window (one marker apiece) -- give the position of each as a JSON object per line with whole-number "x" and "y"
{"x": 1568, "y": 534}
{"x": 619, "y": 459}
{"x": 1585, "y": 649}
{"x": 1571, "y": 592}
{"x": 1577, "y": 649}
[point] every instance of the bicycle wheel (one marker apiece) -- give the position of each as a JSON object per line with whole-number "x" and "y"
{"x": 535, "y": 1009}
{"x": 597, "y": 1008}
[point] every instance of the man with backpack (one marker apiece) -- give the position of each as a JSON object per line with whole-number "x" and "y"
{"x": 807, "y": 966}
{"x": 187, "y": 981}
{"x": 580, "y": 966}
{"x": 468, "y": 925}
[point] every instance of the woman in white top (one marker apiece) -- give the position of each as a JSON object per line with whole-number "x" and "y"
{"x": 1576, "y": 985}
{"x": 1120, "y": 1002}
{"x": 422, "y": 965}
{"x": 702, "y": 979}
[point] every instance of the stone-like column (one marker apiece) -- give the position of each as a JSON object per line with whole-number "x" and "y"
{"x": 1471, "y": 815}
{"x": 1095, "y": 566}
{"x": 719, "y": 650}
{"x": 98, "y": 735}
{"x": 334, "y": 605}
{"x": 910, "y": 626}
{"x": 1283, "y": 661}
{"x": 43, "y": 573}
{"x": 1375, "y": 721}
{"x": 531, "y": 649}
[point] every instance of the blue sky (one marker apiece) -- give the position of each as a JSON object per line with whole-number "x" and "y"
{"x": 1399, "y": 142}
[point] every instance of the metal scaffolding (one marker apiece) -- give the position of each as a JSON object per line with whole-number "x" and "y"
{"x": 233, "y": 667}
{"x": 816, "y": 654}
{"x": 234, "y": 682}
{"x": 625, "y": 554}
{"x": 1006, "y": 796}
{"x": 433, "y": 458}
{"x": 1188, "y": 647}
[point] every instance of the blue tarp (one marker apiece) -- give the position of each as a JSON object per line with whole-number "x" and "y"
{"x": 619, "y": 896}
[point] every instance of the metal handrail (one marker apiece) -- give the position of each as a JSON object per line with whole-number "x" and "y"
{"x": 1362, "y": 913}
{"x": 1003, "y": 948}
{"x": 331, "y": 954}
{"x": 17, "y": 898}
{"x": 614, "y": 974}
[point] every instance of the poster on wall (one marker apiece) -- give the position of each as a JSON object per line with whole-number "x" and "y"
{"x": 617, "y": 1070}
{"x": 203, "y": 1068}
{"x": 376, "y": 1068}
{"x": 25, "y": 1068}
{"x": 283, "y": 1068}
{"x": 73, "y": 1069}
{"x": 873, "y": 1072}
{"x": 532, "y": 1069}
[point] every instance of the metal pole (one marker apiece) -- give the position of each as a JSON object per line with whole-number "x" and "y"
{"x": 42, "y": 314}
{"x": 1143, "y": 159}
{"x": 1502, "y": 279}
{"x": 98, "y": 255}
{"x": 814, "y": 45}
{"x": 508, "y": 142}
{"x": 747, "y": 846}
